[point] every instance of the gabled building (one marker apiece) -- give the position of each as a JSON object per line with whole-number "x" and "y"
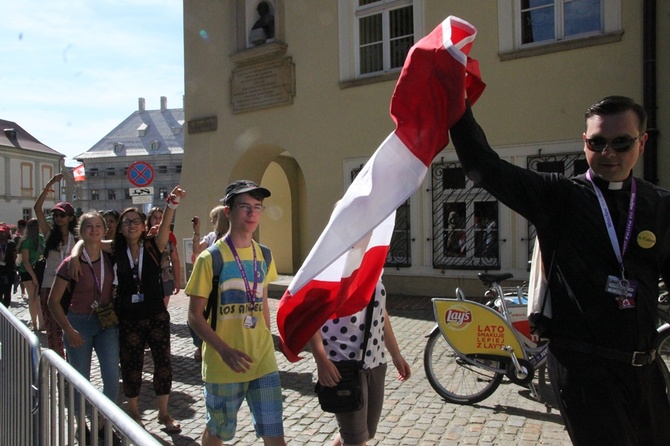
{"x": 26, "y": 165}
{"x": 301, "y": 110}
{"x": 155, "y": 137}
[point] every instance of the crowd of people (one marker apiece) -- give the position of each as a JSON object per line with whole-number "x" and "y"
{"x": 105, "y": 287}
{"x": 99, "y": 282}
{"x": 109, "y": 292}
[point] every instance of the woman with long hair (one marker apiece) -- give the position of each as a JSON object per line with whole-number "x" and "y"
{"x": 220, "y": 226}
{"x": 31, "y": 247}
{"x": 140, "y": 307}
{"x": 59, "y": 239}
{"x": 111, "y": 217}
{"x": 84, "y": 326}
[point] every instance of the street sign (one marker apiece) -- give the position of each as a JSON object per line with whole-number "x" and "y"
{"x": 140, "y": 174}
{"x": 143, "y": 199}
{"x": 141, "y": 191}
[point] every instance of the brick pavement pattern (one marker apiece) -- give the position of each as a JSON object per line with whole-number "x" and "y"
{"x": 413, "y": 413}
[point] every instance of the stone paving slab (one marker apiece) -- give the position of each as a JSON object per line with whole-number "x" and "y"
{"x": 413, "y": 413}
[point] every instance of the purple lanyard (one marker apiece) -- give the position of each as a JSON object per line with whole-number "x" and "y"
{"x": 619, "y": 252}
{"x": 251, "y": 293}
{"x": 98, "y": 282}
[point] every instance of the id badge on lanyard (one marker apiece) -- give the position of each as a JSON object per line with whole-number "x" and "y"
{"x": 623, "y": 289}
{"x": 136, "y": 270}
{"x": 250, "y": 320}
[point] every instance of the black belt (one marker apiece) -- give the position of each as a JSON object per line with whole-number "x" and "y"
{"x": 636, "y": 359}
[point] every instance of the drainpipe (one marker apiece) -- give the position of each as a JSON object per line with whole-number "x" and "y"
{"x": 649, "y": 87}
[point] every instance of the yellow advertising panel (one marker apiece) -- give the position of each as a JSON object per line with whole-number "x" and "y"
{"x": 473, "y": 328}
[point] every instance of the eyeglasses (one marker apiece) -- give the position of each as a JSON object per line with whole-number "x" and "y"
{"x": 249, "y": 208}
{"x": 134, "y": 222}
{"x": 619, "y": 144}
{"x": 58, "y": 215}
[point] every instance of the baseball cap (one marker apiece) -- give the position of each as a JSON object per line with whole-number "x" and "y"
{"x": 4, "y": 228}
{"x": 64, "y": 207}
{"x": 242, "y": 187}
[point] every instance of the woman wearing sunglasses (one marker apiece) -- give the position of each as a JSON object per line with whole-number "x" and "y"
{"x": 59, "y": 238}
{"x": 31, "y": 247}
{"x": 139, "y": 305}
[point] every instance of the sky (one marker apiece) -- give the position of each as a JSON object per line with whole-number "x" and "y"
{"x": 72, "y": 70}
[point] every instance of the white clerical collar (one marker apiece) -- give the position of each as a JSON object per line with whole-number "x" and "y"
{"x": 615, "y": 185}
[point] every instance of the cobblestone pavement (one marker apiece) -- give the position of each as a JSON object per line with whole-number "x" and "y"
{"x": 413, "y": 413}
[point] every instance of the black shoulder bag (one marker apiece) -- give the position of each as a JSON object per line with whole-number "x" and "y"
{"x": 347, "y": 396}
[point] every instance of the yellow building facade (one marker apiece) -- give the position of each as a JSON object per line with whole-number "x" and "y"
{"x": 301, "y": 104}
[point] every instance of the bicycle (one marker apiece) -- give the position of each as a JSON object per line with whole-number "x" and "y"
{"x": 663, "y": 341}
{"x": 465, "y": 364}
{"x": 473, "y": 346}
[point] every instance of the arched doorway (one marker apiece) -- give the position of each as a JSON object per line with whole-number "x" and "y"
{"x": 276, "y": 170}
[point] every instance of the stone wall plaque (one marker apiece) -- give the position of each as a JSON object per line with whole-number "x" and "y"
{"x": 200, "y": 125}
{"x": 265, "y": 84}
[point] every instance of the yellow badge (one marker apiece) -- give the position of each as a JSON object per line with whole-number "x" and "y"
{"x": 646, "y": 239}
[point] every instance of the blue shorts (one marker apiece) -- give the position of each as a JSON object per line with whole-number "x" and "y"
{"x": 263, "y": 395}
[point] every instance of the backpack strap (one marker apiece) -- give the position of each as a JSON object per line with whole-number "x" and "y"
{"x": 217, "y": 267}
{"x": 152, "y": 249}
{"x": 267, "y": 254}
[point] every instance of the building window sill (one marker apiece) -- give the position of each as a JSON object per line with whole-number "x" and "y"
{"x": 390, "y": 76}
{"x": 563, "y": 45}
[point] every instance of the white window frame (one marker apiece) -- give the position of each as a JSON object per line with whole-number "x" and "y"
{"x": 47, "y": 172}
{"x": 509, "y": 26}
{"x": 27, "y": 186}
{"x": 348, "y": 13}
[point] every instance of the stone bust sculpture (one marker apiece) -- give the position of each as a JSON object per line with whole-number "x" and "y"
{"x": 264, "y": 28}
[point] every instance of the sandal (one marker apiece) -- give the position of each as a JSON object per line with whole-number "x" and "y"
{"x": 171, "y": 426}
{"x": 137, "y": 419}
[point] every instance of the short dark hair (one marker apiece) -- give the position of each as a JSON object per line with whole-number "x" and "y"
{"x": 612, "y": 105}
{"x": 111, "y": 213}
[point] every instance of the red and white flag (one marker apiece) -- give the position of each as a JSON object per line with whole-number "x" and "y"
{"x": 339, "y": 275}
{"x": 78, "y": 173}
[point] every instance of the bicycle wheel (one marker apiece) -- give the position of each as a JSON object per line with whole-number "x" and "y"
{"x": 455, "y": 379}
{"x": 663, "y": 349}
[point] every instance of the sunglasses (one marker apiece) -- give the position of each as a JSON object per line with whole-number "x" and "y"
{"x": 59, "y": 215}
{"x": 619, "y": 144}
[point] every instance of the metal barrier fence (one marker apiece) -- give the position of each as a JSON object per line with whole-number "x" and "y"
{"x": 19, "y": 360}
{"x": 58, "y": 383}
{"x": 37, "y": 397}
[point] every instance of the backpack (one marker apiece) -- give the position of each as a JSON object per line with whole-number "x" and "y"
{"x": 217, "y": 265}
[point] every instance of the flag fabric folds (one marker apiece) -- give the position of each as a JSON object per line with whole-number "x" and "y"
{"x": 78, "y": 173}
{"x": 339, "y": 275}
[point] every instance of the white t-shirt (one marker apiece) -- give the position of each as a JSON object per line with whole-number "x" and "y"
{"x": 209, "y": 239}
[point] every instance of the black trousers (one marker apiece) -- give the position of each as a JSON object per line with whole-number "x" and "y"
{"x": 133, "y": 336}
{"x": 604, "y": 402}
{"x": 6, "y": 284}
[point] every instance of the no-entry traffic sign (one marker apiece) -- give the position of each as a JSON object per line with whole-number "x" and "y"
{"x": 140, "y": 174}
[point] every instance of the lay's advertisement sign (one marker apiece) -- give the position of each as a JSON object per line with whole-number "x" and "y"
{"x": 473, "y": 328}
